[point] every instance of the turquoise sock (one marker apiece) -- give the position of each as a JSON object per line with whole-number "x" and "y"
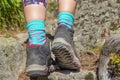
{"x": 66, "y": 18}
{"x": 36, "y": 30}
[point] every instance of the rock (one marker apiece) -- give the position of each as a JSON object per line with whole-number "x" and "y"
{"x": 112, "y": 45}
{"x": 22, "y": 37}
{"x": 12, "y": 59}
{"x": 92, "y": 16}
{"x": 66, "y": 75}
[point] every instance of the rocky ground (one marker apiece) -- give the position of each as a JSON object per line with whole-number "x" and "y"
{"x": 88, "y": 61}
{"x": 13, "y": 58}
{"x": 95, "y": 20}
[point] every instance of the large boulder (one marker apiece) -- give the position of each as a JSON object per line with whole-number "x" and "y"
{"x": 12, "y": 59}
{"x": 107, "y": 70}
{"x": 95, "y": 20}
{"x": 66, "y": 75}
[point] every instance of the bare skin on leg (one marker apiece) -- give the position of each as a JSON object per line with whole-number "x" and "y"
{"x": 67, "y": 6}
{"x": 34, "y": 12}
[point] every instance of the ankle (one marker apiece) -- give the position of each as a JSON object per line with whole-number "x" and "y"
{"x": 36, "y": 30}
{"x": 66, "y": 18}
{"x": 29, "y": 45}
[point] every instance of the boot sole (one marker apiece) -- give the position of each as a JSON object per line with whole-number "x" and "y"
{"x": 36, "y": 70}
{"x": 64, "y": 54}
{"x": 36, "y": 73}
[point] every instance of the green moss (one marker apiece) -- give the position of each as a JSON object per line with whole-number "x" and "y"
{"x": 96, "y": 48}
{"x": 115, "y": 59}
{"x": 114, "y": 64}
{"x": 89, "y": 76}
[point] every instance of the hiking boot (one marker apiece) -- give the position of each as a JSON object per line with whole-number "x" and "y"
{"x": 63, "y": 49}
{"x": 38, "y": 60}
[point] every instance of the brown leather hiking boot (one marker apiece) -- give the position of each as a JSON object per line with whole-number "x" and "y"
{"x": 63, "y": 48}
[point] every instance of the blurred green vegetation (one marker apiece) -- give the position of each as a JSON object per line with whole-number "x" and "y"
{"x": 52, "y": 6}
{"x": 115, "y": 58}
{"x": 115, "y": 62}
{"x": 89, "y": 76}
{"x": 11, "y": 15}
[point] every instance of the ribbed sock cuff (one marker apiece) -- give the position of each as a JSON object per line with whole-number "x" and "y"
{"x": 66, "y": 18}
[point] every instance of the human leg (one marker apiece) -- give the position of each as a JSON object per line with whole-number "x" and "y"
{"x": 35, "y": 12}
{"x": 38, "y": 51}
{"x": 63, "y": 45}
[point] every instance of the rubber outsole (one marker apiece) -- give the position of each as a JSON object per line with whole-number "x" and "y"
{"x": 36, "y": 73}
{"x": 64, "y": 56}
